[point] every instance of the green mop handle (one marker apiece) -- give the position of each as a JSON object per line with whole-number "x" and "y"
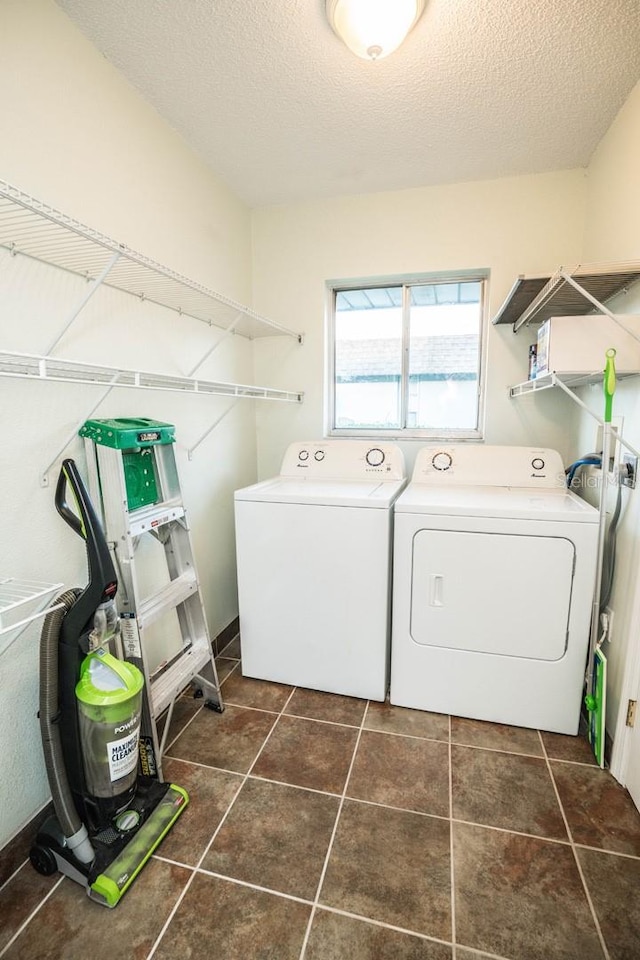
{"x": 609, "y": 383}
{"x": 609, "y": 386}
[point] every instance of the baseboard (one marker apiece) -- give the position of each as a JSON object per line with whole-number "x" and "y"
{"x": 225, "y": 636}
{"x": 16, "y": 851}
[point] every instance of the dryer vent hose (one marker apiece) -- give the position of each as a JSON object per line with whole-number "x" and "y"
{"x": 64, "y": 806}
{"x": 609, "y": 553}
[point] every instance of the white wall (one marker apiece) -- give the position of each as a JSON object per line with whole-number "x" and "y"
{"x": 520, "y": 225}
{"x": 74, "y": 135}
{"x": 612, "y": 233}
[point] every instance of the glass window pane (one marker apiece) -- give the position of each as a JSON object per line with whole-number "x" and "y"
{"x": 368, "y": 359}
{"x": 444, "y": 356}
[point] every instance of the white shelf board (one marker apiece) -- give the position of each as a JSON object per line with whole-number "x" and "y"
{"x": 31, "y": 228}
{"x": 34, "y": 367}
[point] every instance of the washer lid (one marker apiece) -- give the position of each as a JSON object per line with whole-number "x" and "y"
{"x": 514, "y": 503}
{"x": 334, "y": 493}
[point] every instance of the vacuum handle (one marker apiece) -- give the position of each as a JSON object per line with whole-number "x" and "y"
{"x": 69, "y": 474}
{"x": 103, "y": 582}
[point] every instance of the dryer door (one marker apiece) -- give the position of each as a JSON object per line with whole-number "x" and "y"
{"x": 492, "y": 593}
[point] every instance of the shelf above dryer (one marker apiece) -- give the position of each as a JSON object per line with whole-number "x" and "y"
{"x": 569, "y": 292}
{"x": 36, "y": 230}
{"x": 567, "y": 380}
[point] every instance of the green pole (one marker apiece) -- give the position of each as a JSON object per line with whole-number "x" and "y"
{"x": 609, "y": 384}
{"x": 596, "y": 682}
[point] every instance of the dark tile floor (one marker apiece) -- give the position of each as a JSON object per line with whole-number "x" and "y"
{"x": 328, "y": 828}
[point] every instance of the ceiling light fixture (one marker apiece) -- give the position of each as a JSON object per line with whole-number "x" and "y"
{"x": 372, "y": 29}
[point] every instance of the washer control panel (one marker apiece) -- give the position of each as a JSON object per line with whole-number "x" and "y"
{"x": 484, "y": 465}
{"x": 344, "y": 460}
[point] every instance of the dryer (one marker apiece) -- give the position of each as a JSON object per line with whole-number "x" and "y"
{"x": 494, "y": 573}
{"x": 314, "y": 567}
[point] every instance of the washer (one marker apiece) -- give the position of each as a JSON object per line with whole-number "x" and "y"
{"x": 314, "y": 566}
{"x": 494, "y": 573}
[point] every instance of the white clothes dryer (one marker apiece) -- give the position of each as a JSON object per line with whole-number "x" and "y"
{"x": 494, "y": 573}
{"x": 314, "y": 567}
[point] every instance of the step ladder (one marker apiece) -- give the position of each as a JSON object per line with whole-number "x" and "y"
{"x": 134, "y": 483}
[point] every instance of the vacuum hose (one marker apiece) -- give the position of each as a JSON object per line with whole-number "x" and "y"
{"x": 72, "y": 827}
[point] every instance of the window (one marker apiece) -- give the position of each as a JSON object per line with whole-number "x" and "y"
{"x": 405, "y": 358}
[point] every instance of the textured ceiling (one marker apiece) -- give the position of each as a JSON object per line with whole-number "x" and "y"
{"x": 281, "y": 111}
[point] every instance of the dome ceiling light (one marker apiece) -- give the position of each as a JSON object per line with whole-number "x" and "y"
{"x": 372, "y": 29}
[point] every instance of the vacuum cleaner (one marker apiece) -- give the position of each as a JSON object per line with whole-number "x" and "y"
{"x": 108, "y": 818}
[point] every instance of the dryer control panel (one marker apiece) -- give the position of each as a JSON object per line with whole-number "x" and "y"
{"x": 486, "y": 465}
{"x": 344, "y": 460}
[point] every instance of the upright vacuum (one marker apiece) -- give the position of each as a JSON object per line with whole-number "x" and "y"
{"x": 108, "y": 818}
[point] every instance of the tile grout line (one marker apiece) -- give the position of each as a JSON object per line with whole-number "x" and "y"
{"x": 594, "y": 916}
{"x": 227, "y": 675}
{"x": 388, "y": 806}
{"x": 182, "y": 730}
{"x": 385, "y": 926}
{"x": 325, "y": 907}
{"x": 196, "y": 870}
{"x": 33, "y": 913}
{"x": 453, "y": 886}
{"x": 325, "y": 865}
{"x": 329, "y": 909}
{"x": 611, "y": 853}
{"x": 298, "y": 716}
{"x": 14, "y": 874}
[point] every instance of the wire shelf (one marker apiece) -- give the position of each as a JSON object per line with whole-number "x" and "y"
{"x": 535, "y": 299}
{"x": 22, "y": 602}
{"x": 34, "y": 367}
{"x": 43, "y": 233}
{"x": 571, "y": 380}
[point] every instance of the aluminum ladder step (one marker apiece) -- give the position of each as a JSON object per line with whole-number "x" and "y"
{"x": 171, "y": 682}
{"x": 167, "y": 598}
{"x": 147, "y": 519}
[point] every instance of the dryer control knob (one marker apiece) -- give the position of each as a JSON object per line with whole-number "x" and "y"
{"x": 303, "y": 455}
{"x": 318, "y": 455}
{"x": 537, "y": 463}
{"x": 441, "y": 460}
{"x": 375, "y": 457}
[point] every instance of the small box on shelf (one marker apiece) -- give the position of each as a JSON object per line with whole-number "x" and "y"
{"x": 578, "y": 344}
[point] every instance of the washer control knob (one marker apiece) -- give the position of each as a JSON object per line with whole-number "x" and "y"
{"x": 441, "y": 460}
{"x": 303, "y": 455}
{"x": 537, "y": 463}
{"x": 375, "y": 457}
{"x": 318, "y": 455}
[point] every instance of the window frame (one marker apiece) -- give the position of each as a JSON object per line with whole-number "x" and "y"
{"x": 334, "y": 287}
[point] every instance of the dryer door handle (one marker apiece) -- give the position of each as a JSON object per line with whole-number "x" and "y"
{"x": 436, "y": 590}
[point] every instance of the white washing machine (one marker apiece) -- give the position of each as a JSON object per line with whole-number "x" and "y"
{"x": 494, "y": 572}
{"x": 314, "y": 567}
